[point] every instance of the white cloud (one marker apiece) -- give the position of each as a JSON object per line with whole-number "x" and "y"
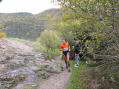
{"x": 32, "y": 6}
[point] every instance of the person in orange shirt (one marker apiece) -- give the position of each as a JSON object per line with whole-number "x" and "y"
{"x": 65, "y": 48}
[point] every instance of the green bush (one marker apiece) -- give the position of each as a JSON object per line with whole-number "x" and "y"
{"x": 77, "y": 80}
{"x": 48, "y": 43}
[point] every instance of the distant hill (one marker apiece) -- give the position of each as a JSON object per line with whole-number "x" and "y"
{"x": 16, "y": 14}
{"x": 26, "y": 25}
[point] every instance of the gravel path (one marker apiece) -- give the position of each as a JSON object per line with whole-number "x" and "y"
{"x": 58, "y": 81}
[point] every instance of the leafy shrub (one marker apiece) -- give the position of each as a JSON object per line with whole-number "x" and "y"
{"x": 48, "y": 43}
{"x": 77, "y": 79}
{"x": 101, "y": 78}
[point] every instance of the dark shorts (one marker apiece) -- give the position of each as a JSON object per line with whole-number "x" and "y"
{"x": 65, "y": 53}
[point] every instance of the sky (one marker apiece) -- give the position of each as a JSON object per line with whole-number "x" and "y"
{"x": 32, "y": 6}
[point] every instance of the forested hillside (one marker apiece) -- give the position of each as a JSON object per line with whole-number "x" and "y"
{"x": 26, "y": 25}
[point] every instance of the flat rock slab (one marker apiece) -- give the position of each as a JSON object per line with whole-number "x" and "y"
{"x": 57, "y": 81}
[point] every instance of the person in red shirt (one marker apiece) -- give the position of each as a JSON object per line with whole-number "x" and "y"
{"x": 65, "y": 48}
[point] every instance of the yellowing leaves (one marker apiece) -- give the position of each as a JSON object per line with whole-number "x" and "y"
{"x": 2, "y": 35}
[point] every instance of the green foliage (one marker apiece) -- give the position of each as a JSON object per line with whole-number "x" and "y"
{"x": 48, "y": 43}
{"x": 90, "y": 18}
{"x": 96, "y": 24}
{"x": 95, "y": 45}
{"x": 77, "y": 78}
{"x": 1, "y": 27}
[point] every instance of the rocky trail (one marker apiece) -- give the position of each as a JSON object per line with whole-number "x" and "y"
{"x": 23, "y": 68}
{"x": 57, "y": 81}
